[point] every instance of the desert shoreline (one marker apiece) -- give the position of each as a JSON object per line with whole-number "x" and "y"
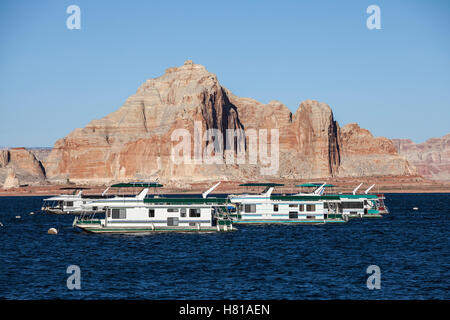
{"x": 227, "y": 187}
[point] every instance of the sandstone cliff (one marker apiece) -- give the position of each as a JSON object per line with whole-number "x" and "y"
{"x": 364, "y": 155}
{"x": 11, "y": 180}
{"x": 135, "y": 142}
{"x": 20, "y": 163}
{"x": 432, "y": 158}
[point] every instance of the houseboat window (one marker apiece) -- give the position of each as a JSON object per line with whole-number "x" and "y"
{"x": 302, "y": 207}
{"x": 250, "y": 208}
{"x": 310, "y": 207}
{"x": 119, "y": 213}
{"x": 352, "y": 205}
{"x": 292, "y": 206}
{"x": 69, "y": 204}
{"x": 310, "y": 217}
{"x": 275, "y": 207}
{"x": 325, "y": 205}
{"x": 192, "y": 224}
{"x": 151, "y": 213}
{"x": 172, "y": 221}
{"x": 293, "y": 215}
{"x": 194, "y": 213}
{"x": 108, "y": 212}
{"x": 183, "y": 212}
{"x": 172, "y": 209}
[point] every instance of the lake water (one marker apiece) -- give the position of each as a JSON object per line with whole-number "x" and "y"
{"x": 412, "y": 249}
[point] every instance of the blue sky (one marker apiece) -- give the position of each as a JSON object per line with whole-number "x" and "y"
{"x": 394, "y": 81}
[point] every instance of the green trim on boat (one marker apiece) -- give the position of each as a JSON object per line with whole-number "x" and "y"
{"x": 137, "y": 185}
{"x": 88, "y": 222}
{"x": 358, "y": 196}
{"x": 311, "y": 185}
{"x": 261, "y": 185}
{"x": 334, "y": 216}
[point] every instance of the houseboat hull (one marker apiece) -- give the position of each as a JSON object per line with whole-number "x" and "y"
{"x": 97, "y": 226}
{"x": 151, "y": 229}
{"x": 64, "y": 212}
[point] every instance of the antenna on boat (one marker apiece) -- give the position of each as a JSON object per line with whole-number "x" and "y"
{"x": 356, "y": 189}
{"x": 320, "y": 189}
{"x": 104, "y": 192}
{"x": 367, "y": 191}
{"x": 142, "y": 194}
{"x": 205, "y": 194}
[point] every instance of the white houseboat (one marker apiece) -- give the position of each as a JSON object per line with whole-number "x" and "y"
{"x": 145, "y": 214}
{"x": 266, "y": 207}
{"x": 354, "y": 205}
{"x": 70, "y": 203}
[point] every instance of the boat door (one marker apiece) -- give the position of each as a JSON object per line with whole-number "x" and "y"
{"x": 172, "y": 221}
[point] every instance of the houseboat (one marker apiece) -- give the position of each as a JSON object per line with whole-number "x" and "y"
{"x": 73, "y": 203}
{"x": 354, "y": 205}
{"x": 266, "y": 207}
{"x": 70, "y": 203}
{"x": 155, "y": 213}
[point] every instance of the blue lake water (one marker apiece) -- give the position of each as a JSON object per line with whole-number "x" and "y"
{"x": 412, "y": 249}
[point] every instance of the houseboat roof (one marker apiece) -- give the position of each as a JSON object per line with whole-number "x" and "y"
{"x": 137, "y": 185}
{"x": 359, "y": 196}
{"x": 311, "y": 185}
{"x": 308, "y": 197}
{"x": 261, "y": 185}
{"x": 187, "y": 200}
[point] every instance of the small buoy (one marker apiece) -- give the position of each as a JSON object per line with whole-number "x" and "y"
{"x": 18, "y": 217}
{"x": 31, "y": 213}
{"x": 52, "y": 231}
{"x": 416, "y": 208}
{"x": 1, "y": 224}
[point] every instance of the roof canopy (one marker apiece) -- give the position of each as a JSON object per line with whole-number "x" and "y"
{"x": 358, "y": 196}
{"x": 311, "y": 185}
{"x": 304, "y": 198}
{"x": 261, "y": 185}
{"x": 137, "y": 185}
{"x": 188, "y": 201}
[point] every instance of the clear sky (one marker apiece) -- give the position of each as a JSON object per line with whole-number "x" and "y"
{"x": 394, "y": 81}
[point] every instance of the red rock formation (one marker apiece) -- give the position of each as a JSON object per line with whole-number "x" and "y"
{"x": 365, "y": 155}
{"x": 432, "y": 158}
{"x": 11, "y": 180}
{"x": 134, "y": 142}
{"x": 21, "y": 164}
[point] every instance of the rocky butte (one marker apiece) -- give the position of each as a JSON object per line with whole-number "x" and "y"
{"x": 19, "y": 166}
{"x": 134, "y": 142}
{"x": 431, "y": 158}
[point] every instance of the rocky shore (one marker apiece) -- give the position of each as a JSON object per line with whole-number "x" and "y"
{"x": 383, "y": 185}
